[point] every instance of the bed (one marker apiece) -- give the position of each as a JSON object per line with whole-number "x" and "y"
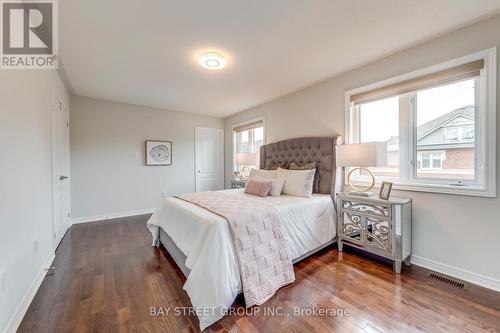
{"x": 200, "y": 241}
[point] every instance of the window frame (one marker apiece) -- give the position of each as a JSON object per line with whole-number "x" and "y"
{"x": 233, "y": 136}
{"x": 484, "y": 183}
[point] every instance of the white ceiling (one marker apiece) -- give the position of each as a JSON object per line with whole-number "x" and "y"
{"x": 145, "y": 52}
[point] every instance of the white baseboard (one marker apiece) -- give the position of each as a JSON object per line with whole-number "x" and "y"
{"x": 23, "y": 306}
{"x": 112, "y": 216}
{"x": 480, "y": 280}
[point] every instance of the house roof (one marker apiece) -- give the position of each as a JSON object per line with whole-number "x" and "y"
{"x": 430, "y": 126}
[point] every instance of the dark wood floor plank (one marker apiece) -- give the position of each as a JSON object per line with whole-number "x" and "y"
{"x": 108, "y": 276}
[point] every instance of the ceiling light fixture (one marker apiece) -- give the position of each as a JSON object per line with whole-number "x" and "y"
{"x": 212, "y": 60}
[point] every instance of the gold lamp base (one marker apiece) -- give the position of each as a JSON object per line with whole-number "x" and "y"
{"x": 364, "y": 192}
{"x": 245, "y": 173}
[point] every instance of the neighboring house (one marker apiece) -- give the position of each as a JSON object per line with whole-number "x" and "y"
{"x": 445, "y": 147}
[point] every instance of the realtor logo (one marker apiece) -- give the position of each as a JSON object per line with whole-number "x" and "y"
{"x": 29, "y": 34}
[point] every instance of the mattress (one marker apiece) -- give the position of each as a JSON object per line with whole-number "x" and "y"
{"x": 204, "y": 238}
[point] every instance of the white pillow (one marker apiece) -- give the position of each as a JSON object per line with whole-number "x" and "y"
{"x": 268, "y": 174}
{"x": 276, "y": 184}
{"x": 297, "y": 182}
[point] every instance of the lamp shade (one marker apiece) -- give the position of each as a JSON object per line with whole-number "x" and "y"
{"x": 246, "y": 159}
{"x": 372, "y": 154}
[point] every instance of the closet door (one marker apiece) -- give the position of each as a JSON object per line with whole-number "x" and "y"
{"x": 61, "y": 200}
{"x": 209, "y": 156}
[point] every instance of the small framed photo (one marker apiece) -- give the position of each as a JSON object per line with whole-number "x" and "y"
{"x": 158, "y": 153}
{"x": 385, "y": 190}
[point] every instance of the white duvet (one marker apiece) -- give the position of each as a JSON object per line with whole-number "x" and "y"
{"x": 205, "y": 239}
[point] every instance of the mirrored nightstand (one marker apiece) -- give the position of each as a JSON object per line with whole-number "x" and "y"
{"x": 382, "y": 227}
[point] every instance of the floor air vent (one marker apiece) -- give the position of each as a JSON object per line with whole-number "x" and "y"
{"x": 449, "y": 281}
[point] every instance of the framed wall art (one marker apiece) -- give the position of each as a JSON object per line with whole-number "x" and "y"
{"x": 158, "y": 152}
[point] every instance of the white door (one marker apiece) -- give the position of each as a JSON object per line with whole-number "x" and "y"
{"x": 209, "y": 155}
{"x": 60, "y": 170}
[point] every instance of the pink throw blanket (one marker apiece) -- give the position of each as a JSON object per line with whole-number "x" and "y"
{"x": 262, "y": 250}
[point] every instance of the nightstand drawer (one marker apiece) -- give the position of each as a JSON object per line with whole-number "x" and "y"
{"x": 382, "y": 211}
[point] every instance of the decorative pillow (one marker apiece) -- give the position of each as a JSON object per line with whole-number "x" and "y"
{"x": 276, "y": 187}
{"x": 258, "y": 188}
{"x": 297, "y": 182}
{"x": 307, "y": 166}
{"x": 267, "y": 174}
{"x": 275, "y": 165}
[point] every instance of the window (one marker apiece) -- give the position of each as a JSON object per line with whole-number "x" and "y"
{"x": 431, "y": 160}
{"x": 451, "y": 134}
{"x": 429, "y": 119}
{"x": 468, "y": 133}
{"x": 442, "y": 114}
{"x": 247, "y": 138}
{"x": 371, "y": 130}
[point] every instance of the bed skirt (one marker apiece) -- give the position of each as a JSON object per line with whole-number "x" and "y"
{"x": 180, "y": 258}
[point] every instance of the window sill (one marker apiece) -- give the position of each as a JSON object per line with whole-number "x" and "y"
{"x": 474, "y": 191}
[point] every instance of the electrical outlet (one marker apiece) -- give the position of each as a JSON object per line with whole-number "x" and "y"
{"x": 136, "y": 155}
{"x": 2, "y": 281}
{"x": 163, "y": 194}
{"x": 35, "y": 246}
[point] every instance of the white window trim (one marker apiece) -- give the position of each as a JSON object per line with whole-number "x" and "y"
{"x": 485, "y": 127}
{"x": 254, "y": 120}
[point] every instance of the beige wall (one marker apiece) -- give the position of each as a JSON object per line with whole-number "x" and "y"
{"x": 456, "y": 231}
{"x": 108, "y": 169}
{"x": 25, "y": 184}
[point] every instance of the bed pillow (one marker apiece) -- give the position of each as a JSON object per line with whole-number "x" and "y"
{"x": 259, "y": 188}
{"x": 306, "y": 166}
{"x": 276, "y": 185}
{"x": 267, "y": 174}
{"x": 297, "y": 182}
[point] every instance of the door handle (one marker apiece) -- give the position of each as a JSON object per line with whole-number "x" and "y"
{"x": 63, "y": 177}
{"x": 199, "y": 171}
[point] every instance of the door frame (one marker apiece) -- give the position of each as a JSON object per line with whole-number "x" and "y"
{"x": 196, "y": 158}
{"x": 56, "y": 98}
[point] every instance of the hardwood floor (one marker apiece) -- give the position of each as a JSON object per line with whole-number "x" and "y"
{"x": 108, "y": 276}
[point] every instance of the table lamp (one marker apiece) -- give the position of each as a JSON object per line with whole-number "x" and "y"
{"x": 360, "y": 156}
{"x": 244, "y": 160}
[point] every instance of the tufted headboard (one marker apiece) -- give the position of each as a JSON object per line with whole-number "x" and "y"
{"x": 320, "y": 150}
